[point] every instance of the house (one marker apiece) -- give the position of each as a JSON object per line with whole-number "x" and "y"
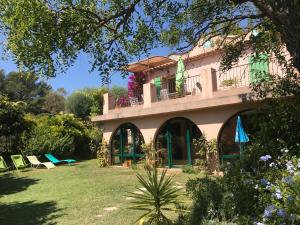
{"x": 172, "y": 111}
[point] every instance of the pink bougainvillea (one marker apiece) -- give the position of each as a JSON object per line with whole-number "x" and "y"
{"x": 123, "y": 101}
{"x": 135, "y": 84}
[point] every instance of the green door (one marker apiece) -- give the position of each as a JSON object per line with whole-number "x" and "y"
{"x": 169, "y": 146}
{"x": 259, "y": 68}
{"x": 126, "y": 144}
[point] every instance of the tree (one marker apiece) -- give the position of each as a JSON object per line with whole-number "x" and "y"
{"x": 47, "y": 36}
{"x": 2, "y": 78}
{"x": 79, "y": 104}
{"x": 12, "y": 125}
{"x": 26, "y": 87}
{"x": 54, "y": 102}
{"x": 85, "y": 102}
{"x": 118, "y": 91}
{"x": 96, "y": 95}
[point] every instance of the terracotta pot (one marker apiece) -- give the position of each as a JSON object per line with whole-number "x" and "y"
{"x": 127, "y": 163}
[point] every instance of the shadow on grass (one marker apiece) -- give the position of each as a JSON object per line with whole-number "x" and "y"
{"x": 24, "y": 213}
{"x": 10, "y": 184}
{"x": 28, "y": 213}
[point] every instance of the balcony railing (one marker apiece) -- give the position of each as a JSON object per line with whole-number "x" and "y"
{"x": 134, "y": 98}
{"x": 238, "y": 76}
{"x": 172, "y": 89}
{"x": 244, "y": 75}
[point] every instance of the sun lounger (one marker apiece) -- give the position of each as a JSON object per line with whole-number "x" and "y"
{"x": 19, "y": 161}
{"x": 36, "y": 163}
{"x": 57, "y": 161}
{"x": 3, "y": 165}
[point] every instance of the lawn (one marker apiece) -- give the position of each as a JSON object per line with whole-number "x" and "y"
{"x": 78, "y": 194}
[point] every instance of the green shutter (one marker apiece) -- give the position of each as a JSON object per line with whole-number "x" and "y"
{"x": 157, "y": 83}
{"x": 169, "y": 146}
{"x": 259, "y": 68}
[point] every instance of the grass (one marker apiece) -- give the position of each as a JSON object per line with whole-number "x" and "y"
{"x": 70, "y": 195}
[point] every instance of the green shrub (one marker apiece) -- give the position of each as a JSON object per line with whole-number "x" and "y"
{"x": 206, "y": 152}
{"x": 103, "y": 154}
{"x": 190, "y": 169}
{"x": 152, "y": 156}
{"x": 62, "y": 135}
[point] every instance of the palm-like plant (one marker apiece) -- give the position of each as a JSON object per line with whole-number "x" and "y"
{"x": 157, "y": 196}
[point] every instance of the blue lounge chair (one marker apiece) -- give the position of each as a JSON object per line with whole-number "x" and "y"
{"x": 57, "y": 161}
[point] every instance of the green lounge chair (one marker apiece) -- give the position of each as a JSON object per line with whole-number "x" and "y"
{"x": 3, "y": 166}
{"x": 57, "y": 161}
{"x": 19, "y": 161}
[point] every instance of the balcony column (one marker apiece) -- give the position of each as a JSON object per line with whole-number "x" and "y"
{"x": 209, "y": 82}
{"x": 147, "y": 95}
{"x": 108, "y": 103}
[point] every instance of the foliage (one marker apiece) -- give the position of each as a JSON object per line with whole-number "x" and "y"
{"x": 158, "y": 197}
{"x": 261, "y": 188}
{"x": 279, "y": 189}
{"x": 95, "y": 135}
{"x": 228, "y": 83}
{"x": 79, "y": 104}
{"x": 26, "y": 87}
{"x": 111, "y": 33}
{"x": 96, "y": 95}
{"x": 206, "y": 152}
{"x": 54, "y": 102}
{"x": 62, "y": 135}
{"x": 208, "y": 199}
{"x": 117, "y": 92}
{"x": 120, "y": 95}
{"x": 135, "y": 84}
{"x": 189, "y": 169}
{"x": 152, "y": 156}
{"x": 86, "y": 102}
{"x": 12, "y": 125}
{"x": 103, "y": 154}
{"x": 123, "y": 101}
{"x": 277, "y": 127}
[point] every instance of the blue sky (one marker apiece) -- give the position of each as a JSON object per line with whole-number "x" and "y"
{"x": 78, "y": 76}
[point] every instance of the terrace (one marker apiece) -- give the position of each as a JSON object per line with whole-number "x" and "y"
{"x": 211, "y": 87}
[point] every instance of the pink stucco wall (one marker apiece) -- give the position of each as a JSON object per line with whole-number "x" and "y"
{"x": 209, "y": 121}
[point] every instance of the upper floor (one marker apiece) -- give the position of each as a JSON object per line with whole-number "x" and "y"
{"x": 158, "y": 88}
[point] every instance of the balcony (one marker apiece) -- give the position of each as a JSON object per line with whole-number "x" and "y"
{"x": 210, "y": 88}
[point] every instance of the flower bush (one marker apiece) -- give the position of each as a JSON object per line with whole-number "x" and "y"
{"x": 135, "y": 84}
{"x": 279, "y": 189}
{"x": 123, "y": 101}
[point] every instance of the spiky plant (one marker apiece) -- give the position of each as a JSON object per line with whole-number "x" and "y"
{"x": 157, "y": 197}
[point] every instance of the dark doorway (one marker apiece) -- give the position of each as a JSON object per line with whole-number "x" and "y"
{"x": 174, "y": 141}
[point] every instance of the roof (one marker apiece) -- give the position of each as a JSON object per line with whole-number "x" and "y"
{"x": 149, "y": 63}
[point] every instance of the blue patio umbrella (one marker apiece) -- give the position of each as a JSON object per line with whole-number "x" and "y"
{"x": 240, "y": 135}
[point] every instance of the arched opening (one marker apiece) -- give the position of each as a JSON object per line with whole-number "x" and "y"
{"x": 126, "y": 144}
{"x": 229, "y": 150}
{"x": 174, "y": 141}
